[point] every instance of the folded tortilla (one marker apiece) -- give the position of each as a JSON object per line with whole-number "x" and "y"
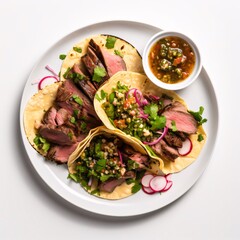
{"x": 124, "y": 190}
{"x": 141, "y": 82}
{"x": 129, "y": 54}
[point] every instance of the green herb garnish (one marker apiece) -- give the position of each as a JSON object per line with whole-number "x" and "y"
{"x": 77, "y": 99}
{"x": 174, "y": 127}
{"x": 73, "y": 120}
{"x": 41, "y": 143}
{"x": 117, "y": 52}
{"x": 62, "y": 56}
{"x": 98, "y": 74}
{"x": 102, "y": 96}
{"x": 74, "y": 177}
{"x": 77, "y": 49}
{"x": 110, "y": 42}
{"x": 200, "y": 137}
{"x": 198, "y": 115}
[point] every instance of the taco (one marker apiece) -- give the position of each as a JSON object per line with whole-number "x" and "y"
{"x": 156, "y": 118}
{"x": 60, "y": 116}
{"x": 110, "y": 165}
{"x": 98, "y": 58}
{"x": 57, "y": 118}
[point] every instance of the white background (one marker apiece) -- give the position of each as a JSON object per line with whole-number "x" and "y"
{"x": 30, "y": 210}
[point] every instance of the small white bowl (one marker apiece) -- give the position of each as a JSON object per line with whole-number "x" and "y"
{"x": 171, "y": 86}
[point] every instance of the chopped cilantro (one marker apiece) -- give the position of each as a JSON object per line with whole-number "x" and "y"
{"x": 74, "y": 177}
{"x": 117, "y": 52}
{"x": 158, "y": 123}
{"x": 110, "y": 42}
{"x": 102, "y": 96}
{"x": 95, "y": 191}
{"x": 105, "y": 177}
{"x": 137, "y": 186}
{"x": 122, "y": 88}
{"x": 198, "y": 115}
{"x": 97, "y": 97}
{"x": 70, "y": 135}
{"x": 200, "y": 137}
{"x": 77, "y": 49}
{"x": 73, "y": 120}
{"x": 66, "y": 74}
{"x": 83, "y": 126}
{"x": 174, "y": 127}
{"x": 75, "y": 112}
{"x": 111, "y": 97}
{"x": 41, "y": 143}
{"x": 152, "y": 110}
{"x": 77, "y": 100}
{"x": 62, "y": 56}
{"x": 98, "y": 74}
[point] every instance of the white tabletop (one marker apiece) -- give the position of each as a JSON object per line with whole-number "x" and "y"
{"x": 29, "y": 209}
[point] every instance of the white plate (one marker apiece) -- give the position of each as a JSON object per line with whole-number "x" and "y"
{"x": 201, "y": 93}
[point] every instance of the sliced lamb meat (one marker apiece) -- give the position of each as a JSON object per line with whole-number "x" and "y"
{"x": 58, "y": 135}
{"x": 168, "y": 152}
{"x": 85, "y": 84}
{"x": 113, "y": 63}
{"x": 49, "y": 116}
{"x": 177, "y": 106}
{"x": 62, "y": 116}
{"x": 111, "y": 184}
{"x": 173, "y": 140}
{"x": 60, "y": 154}
{"x": 88, "y": 63}
{"x": 183, "y": 136}
{"x": 185, "y": 122}
{"x": 66, "y": 92}
{"x": 139, "y": 158}
{"x": 165, "y": 151}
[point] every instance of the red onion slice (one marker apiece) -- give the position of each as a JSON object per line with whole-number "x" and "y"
{"x": 47, "y": 81}
{"x": 51, "y": 70}
{"x": 165, "y": 130}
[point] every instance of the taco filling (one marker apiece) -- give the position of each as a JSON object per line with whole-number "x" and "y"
{"x": 108, "y": 162}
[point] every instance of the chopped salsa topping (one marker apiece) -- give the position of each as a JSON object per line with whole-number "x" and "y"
{"x": 171, "y": 59}
{"x": 106, "y": 159}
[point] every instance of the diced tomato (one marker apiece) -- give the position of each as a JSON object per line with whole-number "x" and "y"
{"x": 177, "y": 61}
{"x": 120, "y": 123}
{"x": 127, "y": 103}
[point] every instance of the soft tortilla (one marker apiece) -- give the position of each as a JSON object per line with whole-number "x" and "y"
{"x": 131, "y": 56}
{"x": 140, "y": 81}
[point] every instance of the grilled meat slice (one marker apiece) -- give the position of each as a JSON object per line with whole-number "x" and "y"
{"x": 66, "y": 93}
{"x": 59, "y": 135}
{"x": 165, "y": 151}
{"x": 111, "y": 184}
{"x": 184, "y": 121}
{"x": 85, "y": 84}
{"x": 113, "y": 63}
{"x": 60, "y": 154}
{"x": 49, "y": 116}
{"x": 173, "y": 140}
